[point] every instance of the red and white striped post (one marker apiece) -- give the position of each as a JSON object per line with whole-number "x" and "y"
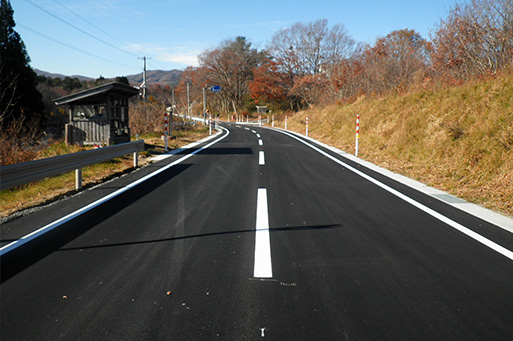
{"x": 285, "y": 122}
{"x": 210, "y": 124}
{"x": 306, "y": 125}
{"x": 166, "y": 129}
{"x": 357, "y": 135}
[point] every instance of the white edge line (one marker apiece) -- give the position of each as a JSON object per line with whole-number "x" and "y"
{"x": 485, "y": 241}
{"x": 31, "y": 236}
{"x": 480, "y": 212}
{"x": 179, "y": 150}
{"x": 263, "y": 263}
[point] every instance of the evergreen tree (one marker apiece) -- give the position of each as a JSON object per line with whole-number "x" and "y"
{"x": 20, "y": 101}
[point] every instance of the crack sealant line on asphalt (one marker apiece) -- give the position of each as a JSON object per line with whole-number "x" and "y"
{"x": 33, "y": 235}
{"x": 465, "y": 230}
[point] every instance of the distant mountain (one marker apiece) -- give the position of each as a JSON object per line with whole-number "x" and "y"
{"x": 161, "y": 77}
{"x": 58, "y": 75}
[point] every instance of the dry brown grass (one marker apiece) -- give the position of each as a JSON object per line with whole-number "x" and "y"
{"x": 51, "y": 189}
{"x": 459, "y": 140}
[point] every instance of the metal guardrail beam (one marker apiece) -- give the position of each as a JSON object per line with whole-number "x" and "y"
{"x": 22, "y": 173}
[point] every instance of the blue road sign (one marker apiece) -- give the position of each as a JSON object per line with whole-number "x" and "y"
{"x": 215, "y": 88}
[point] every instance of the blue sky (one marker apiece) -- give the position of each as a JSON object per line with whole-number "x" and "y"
{"x": 172, "y": 33}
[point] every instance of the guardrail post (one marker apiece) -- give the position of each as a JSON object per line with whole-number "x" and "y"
{"x": 78, "y": 179}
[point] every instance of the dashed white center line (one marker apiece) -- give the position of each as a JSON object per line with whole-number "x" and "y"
{"x": 260, "y": 142}
{"x": 254, "y": 132}
{"x": 261, "y": 158}
{"x": 258, "y": 135}
{"x": 263, "y": 265}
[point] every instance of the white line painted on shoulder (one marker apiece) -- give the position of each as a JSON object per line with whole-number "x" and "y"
{"x": 485, "y": 241}
{"x": 263, "y": 264}
{"x": 261, "y": 158}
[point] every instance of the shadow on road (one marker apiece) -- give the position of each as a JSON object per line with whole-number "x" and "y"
{"x": 27, "y": 254}
{"x": 272, "y": 229}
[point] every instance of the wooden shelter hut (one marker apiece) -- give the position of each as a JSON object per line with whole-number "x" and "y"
{"x": 99, "y": 115}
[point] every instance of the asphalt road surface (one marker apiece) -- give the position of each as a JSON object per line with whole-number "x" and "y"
{"x": 257, "y": 236}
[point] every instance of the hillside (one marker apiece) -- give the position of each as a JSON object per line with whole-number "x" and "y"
{"x": 459, "y": 139}
{"x": 171, "y": 77}
{"x": 61, "y": 76}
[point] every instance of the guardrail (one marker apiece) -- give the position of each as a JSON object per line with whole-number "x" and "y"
{"x": 22, "y": 173}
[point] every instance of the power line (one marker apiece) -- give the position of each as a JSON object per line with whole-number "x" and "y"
{"x": 72, "y": 47}
{"x": 90, "y": 23}
{"x": 79, "y": 29}
{"x": 105, "y": 32}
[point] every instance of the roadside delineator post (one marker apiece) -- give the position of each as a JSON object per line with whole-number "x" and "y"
{"x": 357, "y": 135}
{"x": 210, "y": 124}
{"x": 273, "y": 121}
{"x": 285, "y": 122}
{"x": 306, "y": 125}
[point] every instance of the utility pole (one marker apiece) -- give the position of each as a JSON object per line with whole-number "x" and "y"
{"x": 204, "y": 104}
{"x": 173, "y": 104}
{"x": 188, "y": 101}
{"x": 143, "y": 85}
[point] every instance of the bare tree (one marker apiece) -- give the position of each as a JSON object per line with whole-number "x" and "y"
{"x": 310, "y": 49}
{"x": 475, "y": 40}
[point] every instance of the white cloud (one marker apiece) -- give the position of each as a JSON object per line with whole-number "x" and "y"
{"x": 168, "y": 54}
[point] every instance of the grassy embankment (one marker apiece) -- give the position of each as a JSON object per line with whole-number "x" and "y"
{"x": 49, "y": 189}
{"x": 459, "y": 140}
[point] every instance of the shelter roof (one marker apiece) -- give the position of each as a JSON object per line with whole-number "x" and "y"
{"x": 98, "y": 94}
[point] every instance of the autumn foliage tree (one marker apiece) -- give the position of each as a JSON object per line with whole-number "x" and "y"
{"x": 230, "y": 66}
{"x": 317, "y": 64}
{"x": 270, "y": 86}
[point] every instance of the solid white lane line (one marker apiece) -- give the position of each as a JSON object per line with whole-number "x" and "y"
{"x": 263, "y": 265}
{"x": 474, "y": 235}
{"x": 260, "y": 142}
{"x": 57, "y": 223}
{"x": 261, "y": 158}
